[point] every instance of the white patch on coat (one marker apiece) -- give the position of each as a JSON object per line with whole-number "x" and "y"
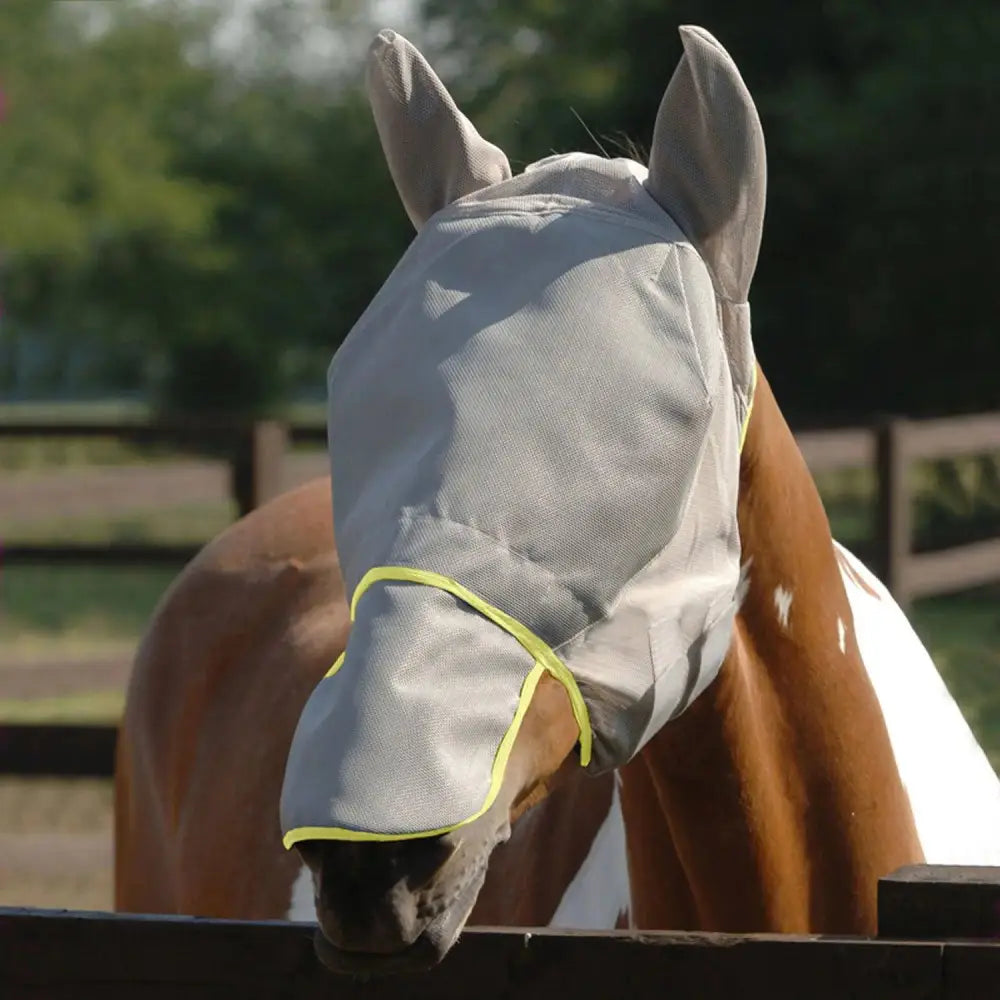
{"x": 599, "y": 893}
{"x": 841, "y": 635}
{"x": 953, "y": 790}
{"x": 302, "y": 907}
{"x": 783, "y": 602}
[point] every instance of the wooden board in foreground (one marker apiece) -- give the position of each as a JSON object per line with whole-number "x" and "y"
{"x": 940, "y": 901}
{"x": 59, "y": 955}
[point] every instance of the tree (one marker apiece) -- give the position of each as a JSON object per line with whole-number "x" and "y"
{"x": 85, "y": 170}
{"x": 883, "y": 163}
{"x": 218, "y": 222}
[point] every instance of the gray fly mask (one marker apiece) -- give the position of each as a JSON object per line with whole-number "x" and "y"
{"x": 534, "y": 436}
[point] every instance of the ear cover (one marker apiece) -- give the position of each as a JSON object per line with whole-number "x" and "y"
{"x": 707, "y": 165}
{"x": 434, "y": 152}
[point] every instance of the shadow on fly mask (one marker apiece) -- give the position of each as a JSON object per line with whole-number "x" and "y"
{"x": 657, "y": 264}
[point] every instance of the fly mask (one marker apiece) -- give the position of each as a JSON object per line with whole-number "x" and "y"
{"x": 534, "y": 435}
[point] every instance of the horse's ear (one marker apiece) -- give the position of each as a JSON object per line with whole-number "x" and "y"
{"x": 434, "y": 152}
{"x": 707, "y": 165}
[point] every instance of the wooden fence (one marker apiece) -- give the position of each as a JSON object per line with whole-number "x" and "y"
{"x": 938, "y": 939}
{"x": 256, "y": 453}
{"x": 939, "y": 928}
{"x": 36, "y": 750}
{"x": 892, "y": 448}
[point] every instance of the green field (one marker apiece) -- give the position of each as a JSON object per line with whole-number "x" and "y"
{"x": 184, "y": 524}
{"x": 962, "y": 633}
{"x": 97, "y": 707}
{"x": 65, "y": 609}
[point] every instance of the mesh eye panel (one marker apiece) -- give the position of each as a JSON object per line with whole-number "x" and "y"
{"x": 538, "y": 405}
{"x": 548, "y": 400}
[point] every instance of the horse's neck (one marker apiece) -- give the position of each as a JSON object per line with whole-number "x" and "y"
{"x": 773, "y": 802}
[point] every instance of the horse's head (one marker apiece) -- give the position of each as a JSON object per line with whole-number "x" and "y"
{"x": 534, "y": 435}
{"x": 388, "y": 905}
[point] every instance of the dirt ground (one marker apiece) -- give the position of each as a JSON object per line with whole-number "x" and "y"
{"x": 55, "y": 834}
{"x": 41, "y": 678}
{"x": 55, "y": 843}
{"x": 59, "y": 493}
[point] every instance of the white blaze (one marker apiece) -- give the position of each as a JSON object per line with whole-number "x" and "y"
{"x": 599, "y": 893}
{"x": 783, "y": 603}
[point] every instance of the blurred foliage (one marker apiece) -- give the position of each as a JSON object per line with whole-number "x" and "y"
{"x": 209, "y": 228}
{"x": 962, "y": 633}
{"x": 201, "y": 227}
{"x": 876, "y": 288}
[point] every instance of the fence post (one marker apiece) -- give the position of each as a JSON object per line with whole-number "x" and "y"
{"x": 894, "y": 528}
{"x": 935, "y": 902}
{"x": 258, "y": 462}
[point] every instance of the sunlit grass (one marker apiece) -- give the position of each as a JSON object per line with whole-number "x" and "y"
{"x": 69, "y": 411}
{"x": 76, "y": 606}
{"x": 26, "y": 455}
{"x": 43, "y": 453}
{"x": 93, "y": 707}
{"x": 185, "y": 524}
{"x": 962, "y": 633}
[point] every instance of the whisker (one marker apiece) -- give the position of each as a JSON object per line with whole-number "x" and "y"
{"x": 597, "y": 142}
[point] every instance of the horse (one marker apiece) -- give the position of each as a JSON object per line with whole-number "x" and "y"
{"x": 819, "y": 751}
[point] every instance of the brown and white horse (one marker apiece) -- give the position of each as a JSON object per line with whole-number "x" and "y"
{"x": 826, "y": 753}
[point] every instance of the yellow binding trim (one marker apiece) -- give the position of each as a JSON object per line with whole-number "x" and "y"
{"x": 496, "y": 780}
{"x": 746, "y": 419}
{"x": 545, "y": 660}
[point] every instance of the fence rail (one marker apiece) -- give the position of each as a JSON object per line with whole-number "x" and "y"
{"x": 57, "y": 751}
{"x": 87, "y": 956}
{"x": 256, "y": 452}
{"x": 892, "y": 448}
{"x": 111, "y": 554}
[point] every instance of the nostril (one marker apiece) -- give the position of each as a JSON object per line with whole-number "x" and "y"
{"x": 421, "y": 860}
{"x": 378, "y": 866}
{"x": 377, "y": 897}
{"x": 389, "y": 927}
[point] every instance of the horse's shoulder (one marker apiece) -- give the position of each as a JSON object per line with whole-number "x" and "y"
{"x": 259, "y": 614}
{"x": 262, "y": 563}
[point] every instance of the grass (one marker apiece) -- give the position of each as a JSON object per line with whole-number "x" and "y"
{"x": 849, "y": 498}
{"x": 27, "y": 455}
{"x": 950, "y": 500}
{"x": 74, "y": 411}
{"x": 74, "y": 709}
{"x": 962, "y": 632}
{"x": 36, "y": 454}
{"x": 73, "y": 612}
{"x": 193, "y": 523}
{"x": 66, "y": 608}
{"x": 56, "y": 836}
{"x": 18, "y": 454}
